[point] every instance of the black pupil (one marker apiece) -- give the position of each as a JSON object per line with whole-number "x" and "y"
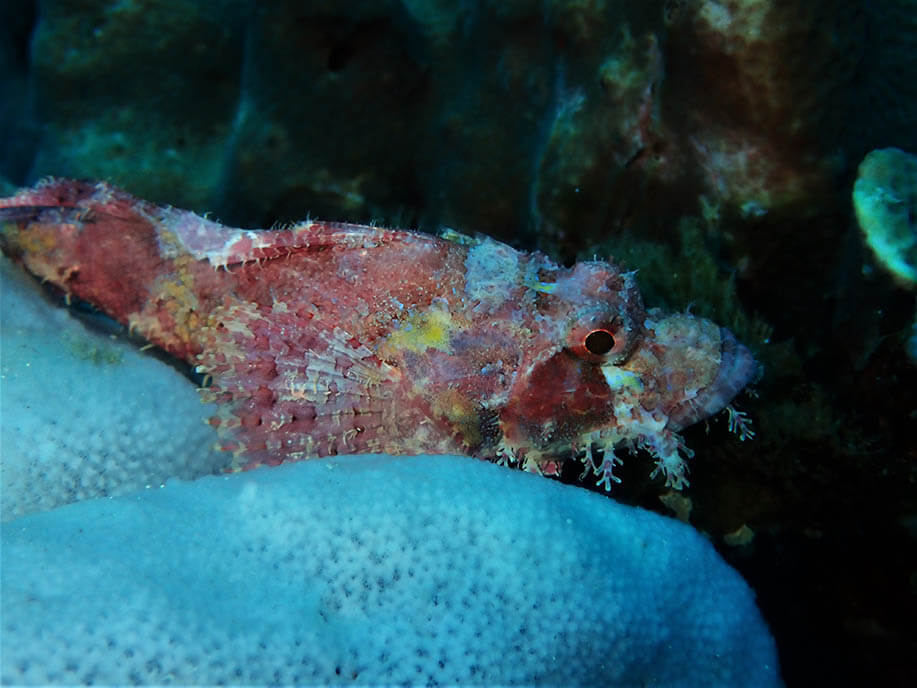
{"x": 599, "y": 342}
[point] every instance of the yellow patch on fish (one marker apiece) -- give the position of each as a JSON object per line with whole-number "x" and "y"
{"x": 430, "y": 329}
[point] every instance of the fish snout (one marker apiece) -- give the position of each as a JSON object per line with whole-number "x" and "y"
{"x": 737, "y": 368}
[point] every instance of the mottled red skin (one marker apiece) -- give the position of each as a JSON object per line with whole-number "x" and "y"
{"x": 328, "y": 338}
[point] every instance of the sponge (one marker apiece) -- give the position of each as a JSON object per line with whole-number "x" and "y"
{"x": 373, "y": 570}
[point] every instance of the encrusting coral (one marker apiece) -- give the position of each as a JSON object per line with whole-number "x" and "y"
{"x": 885, "y": 202}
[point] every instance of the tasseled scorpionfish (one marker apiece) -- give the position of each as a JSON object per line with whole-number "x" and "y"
{"x": 326, "y": 338}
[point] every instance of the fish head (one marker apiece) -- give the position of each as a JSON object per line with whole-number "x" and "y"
{"x": 617, "y": 375}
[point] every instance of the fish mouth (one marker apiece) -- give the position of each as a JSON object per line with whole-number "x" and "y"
{"x": 736, "y": 370}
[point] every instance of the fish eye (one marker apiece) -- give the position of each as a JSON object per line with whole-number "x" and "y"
{"x": 599, "y": 342}
{"x": 603, "y": 340}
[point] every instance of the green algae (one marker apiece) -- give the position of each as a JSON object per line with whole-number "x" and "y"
{"x": 94, "y": 349}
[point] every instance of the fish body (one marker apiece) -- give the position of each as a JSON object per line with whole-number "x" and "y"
{"x": 328, "y": 338}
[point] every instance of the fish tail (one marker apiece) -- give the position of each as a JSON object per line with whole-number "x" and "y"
{"x": 102, "y": 246}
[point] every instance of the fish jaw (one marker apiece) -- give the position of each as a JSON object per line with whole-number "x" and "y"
{"x": 737, "y": 368}
{"x": 689, "y": 368}
{"x": 685, "y": 370}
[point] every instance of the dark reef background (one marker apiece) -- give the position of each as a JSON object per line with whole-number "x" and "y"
{"x": 712, "y": 145}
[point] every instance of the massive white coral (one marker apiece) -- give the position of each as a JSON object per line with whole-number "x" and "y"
{"x": 378, "y": 570}
{"x": 84, "y": 415}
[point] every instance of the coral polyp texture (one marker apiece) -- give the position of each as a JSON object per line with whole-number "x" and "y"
{"x": 327, "y": 338}
{"x": 83, "y": 415}
{"x": 373, "y": 571}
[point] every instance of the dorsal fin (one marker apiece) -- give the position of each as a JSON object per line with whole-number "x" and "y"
{"x": 223, "y": 246}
